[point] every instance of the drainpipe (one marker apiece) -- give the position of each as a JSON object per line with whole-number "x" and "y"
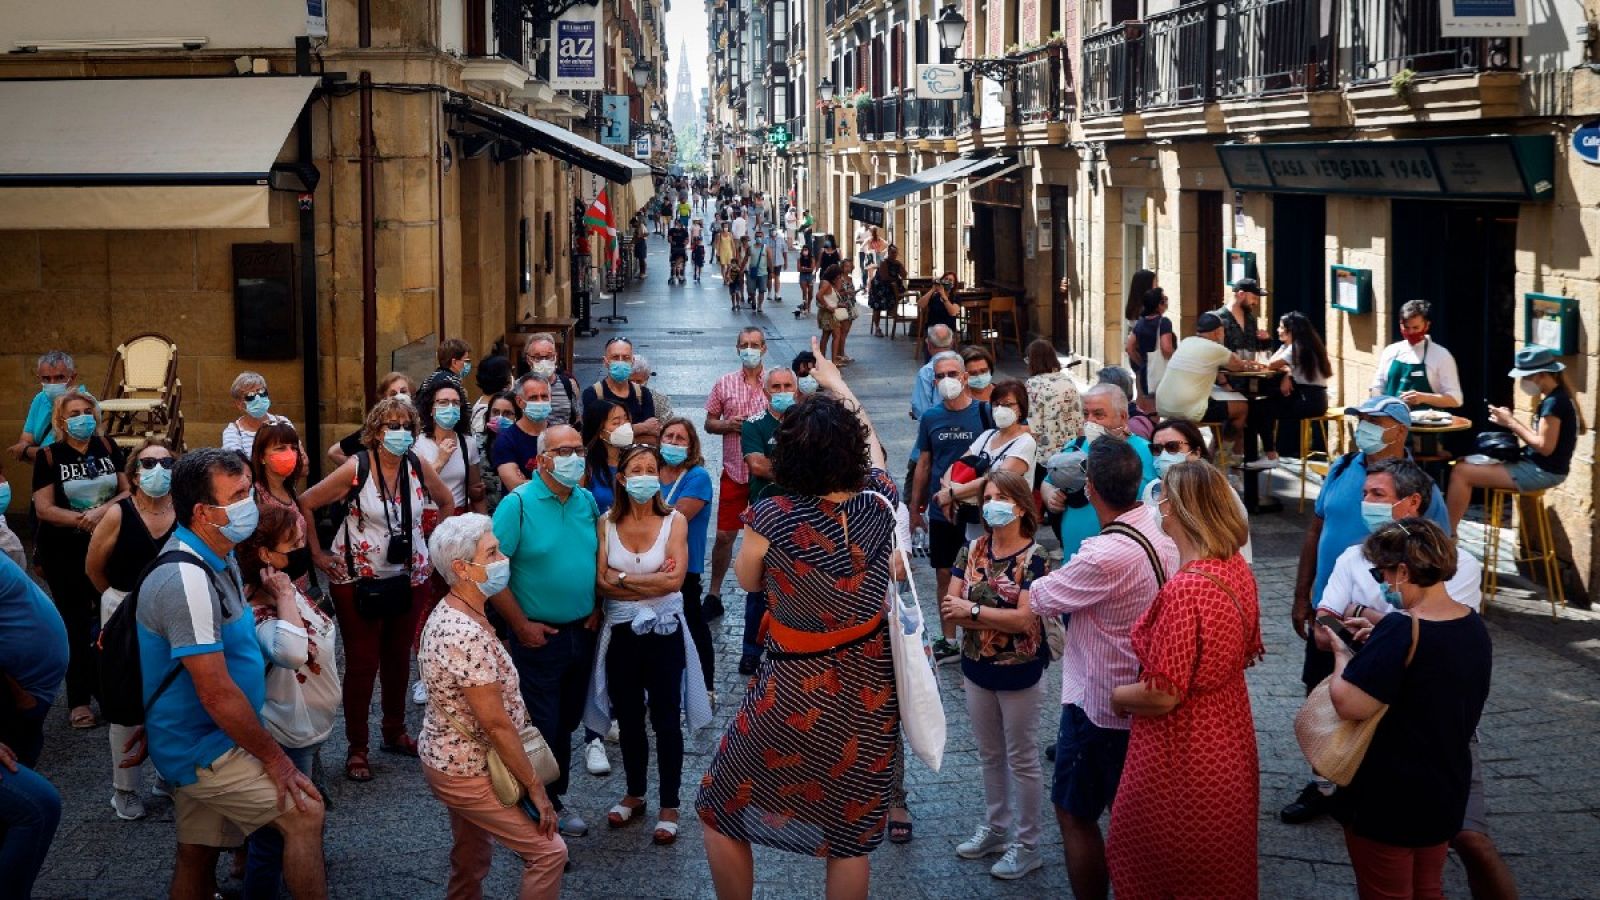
{"x": 311, "y": 351}
{"x": 369, "y": 263}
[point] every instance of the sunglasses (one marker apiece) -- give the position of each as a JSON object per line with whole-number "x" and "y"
{"x": 943, "y": 375}
{"x": 397, "y": 426}
{"x": 251, "y": 398}
{"x": 148, "y": 463}
{"x": 1172, "y": 446}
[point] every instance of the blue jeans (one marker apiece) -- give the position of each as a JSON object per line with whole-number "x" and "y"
{"x": 30, "y": 810}
{"x": 263, "y": 870}
{"x": 755, "y": 606}
{"x": 555, "y": 688}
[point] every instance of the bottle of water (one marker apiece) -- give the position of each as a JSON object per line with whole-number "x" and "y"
{"x": 919, "y": 542}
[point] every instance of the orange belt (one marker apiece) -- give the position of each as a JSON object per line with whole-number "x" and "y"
{"x": 795, "y": 642}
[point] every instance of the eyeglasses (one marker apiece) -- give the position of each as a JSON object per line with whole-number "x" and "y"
{"x": 455, "y": 403}
{"x": 149, "y": 463}
{"x": 253, "y": 397}
{"x": 563, "y": 452}
{"x": 1173, "y": 446}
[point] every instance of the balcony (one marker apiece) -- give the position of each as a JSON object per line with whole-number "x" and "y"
{"x": 1384, "y": 37}
{"x": 1271, "y": 46}
{"x": 1175, "y": 56}
{"x": 827, "y": 126}
{"x": 1042, "y": 92}
{"x": 1111, "y": 70}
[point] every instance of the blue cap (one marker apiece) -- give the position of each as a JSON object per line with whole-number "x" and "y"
{"x": 1383, "y": 407}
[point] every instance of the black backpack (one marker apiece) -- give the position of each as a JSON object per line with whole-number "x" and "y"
{"x": 122, "y": 700}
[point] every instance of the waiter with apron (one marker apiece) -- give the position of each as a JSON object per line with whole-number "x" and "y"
{"x": 1418, "y": 371}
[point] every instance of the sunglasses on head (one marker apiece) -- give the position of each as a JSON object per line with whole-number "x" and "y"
{"x": 148, "y": 463}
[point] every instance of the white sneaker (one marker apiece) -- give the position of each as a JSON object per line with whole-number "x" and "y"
{"x": 1017, "y": 862}
{"x": 594, "y": 758}
{"x": 1262, "y": 463}
{"x": 128, "y": 804}
{"x": 612, "y": 734}
{"x": 161, "y": 788}
{"x": 419, "y": 694}
{"x": 983, "y": 842}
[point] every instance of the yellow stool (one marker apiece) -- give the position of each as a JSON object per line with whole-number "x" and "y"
{"x": 1540, "y": 533}
{"x": 1219, "y": 450}
{"x": 1329, "y": 423}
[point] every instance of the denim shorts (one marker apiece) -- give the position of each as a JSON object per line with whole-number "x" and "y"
{"x": 1088, "y": 765}
{"x": 1527, "y": 476}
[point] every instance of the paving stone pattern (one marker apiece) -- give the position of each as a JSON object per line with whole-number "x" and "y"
{"x": 390, "y": 838}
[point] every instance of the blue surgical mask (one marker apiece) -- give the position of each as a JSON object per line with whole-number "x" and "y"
{"x": 782, "y": 400}
{"x": 154, "y": 482}
{"x": 1369, "y": 438}
{"x": 537, "y": 410}
{"x": 81, "y": 427}
{"x": 808, "y": 384}
{"x": 674, "y": 454}
{"x": 242, "y": 519}
{"x": 750, "y": 357}
{"x": 1376, "y": 515}
{"x": 1166, "y": 460}
{"x": 496, "y": 576}
{"x": 5, "y": 495}
{"x": 466, "y": 369}
{"x": 1391, "y": 596}
{"x": 502, "y": 423}
{"x": 446, "y": 416}
{"x": 569, "y": 470}
{"x": 619, "y": 371}
{"x": 53, "y": 390}
{"x": 398, "y": 442}
{"x": 979, "y": 382}
{"x": 258, "y": 407}
{"x": 642, "y": 487}
{"x": 999, "y": 513}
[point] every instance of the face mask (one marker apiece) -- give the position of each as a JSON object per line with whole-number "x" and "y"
{"x": 951, "y": 388}
{"x": 642, "y": 487}
{"x": 242, "y": 519}
{"x": 1166, "y": 460}
{"x": 1004, "y": 417}
{"x": 80, "y": 427}
{"x": 1093, "y": 431}
{"x": 466, "y": 369}
{"x": 1376, "y": 515}
{"x": 496, "y": 576}
{"x": 622, "y": 435}
{"x": 298, "y": 563}
{"x": 446, "y": 416}
{"x": 500, "y": 423}
{"x": 282, "y": 462}
{"x": 999, "y": 513}
{"x": 403, "y": 397}
{"x": 1391, "y": 596}
{"x": 979, "y": 382}
{"x": 1529, "y": 387}
{"x": 674, "y": 454}
{"x": 782, "y": 400}
{"x": 154, "y": 482}
{"x": 258, "y": 407}
{"x": 5, "y": 495}
{"x": 1415, "y": 338}
{"x": 619, "y": 371}
{"x": 808, "y": 385}
{"x": 537, "y": 410}
{"x": 53, "y": 390}
{"x": 568, "y": 470}
{"x": 398, "y": 442}
{"x": 544, "y": 368}
{"x": 750, "y": 357}
{"x": 1369, "y": 437}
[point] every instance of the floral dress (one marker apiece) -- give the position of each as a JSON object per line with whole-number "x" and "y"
{"x": 1055, "y": 412}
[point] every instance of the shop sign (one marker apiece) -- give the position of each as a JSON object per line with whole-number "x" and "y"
{"x": 575, "y": 43}
{"x": 1483, "y": 18}
{"x": 1586, "y": 142}
{"x": 940, "y": 82}
{"x": 316, "y": 18}
{"x": 641, "y": 147}
{"x": 1498, "y": 167}
{"x": 615, "y": 130}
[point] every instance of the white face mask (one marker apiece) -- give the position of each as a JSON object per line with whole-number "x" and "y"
{"x": 1004, "y": 417}
{"x": 1093, "y": 431}
{"x": 622, "y": 435}
{"x": 951, "y": 388}
{"x": 1529, "y": 387}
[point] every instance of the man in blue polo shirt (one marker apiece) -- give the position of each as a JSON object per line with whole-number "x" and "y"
{"x": 547, "y": 528}
{"x": 1381, "y": 433}
{"x": 204, "y": 684}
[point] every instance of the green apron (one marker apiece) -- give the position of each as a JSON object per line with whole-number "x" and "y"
{"x": 1404, "y": 377}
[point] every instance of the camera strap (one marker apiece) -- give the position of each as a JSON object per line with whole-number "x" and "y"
{"x": 403, "y": 485}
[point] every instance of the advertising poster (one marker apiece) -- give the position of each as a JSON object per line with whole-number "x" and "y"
{"x": 615, "y": 131}
{"x": 1483, "y": 18}
{"x": 575, "y": 43}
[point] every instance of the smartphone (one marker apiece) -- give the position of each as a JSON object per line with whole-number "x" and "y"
{"x": 1336, "y": 625}
{"x": 527, "y": 806}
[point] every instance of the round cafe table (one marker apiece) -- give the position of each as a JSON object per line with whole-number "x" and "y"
{"x": 1256, "y": 385}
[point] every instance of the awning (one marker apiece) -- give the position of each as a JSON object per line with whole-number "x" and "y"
{"x": 123, "y": 153}
{"x": 869, "y": 206}
{"x": 562, "y": 144}
{"x": 1488, "y": 167}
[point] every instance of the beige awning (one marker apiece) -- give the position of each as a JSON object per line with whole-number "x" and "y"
{"x": 142, "y": 153}
{"x": 632, "y": 175}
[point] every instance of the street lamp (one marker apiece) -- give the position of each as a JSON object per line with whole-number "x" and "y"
{"x": 641, "y": 72}
{"x": 825, "y": 89}
{"x": 952, "y": 28}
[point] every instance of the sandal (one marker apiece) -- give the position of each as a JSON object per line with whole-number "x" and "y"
{"x": 83, "y": 718}
{"x": 356, "y": 767}
{"x": 665, "y": 833}
{"x": 623, "y": 815}
{"x": 400, "y": 746}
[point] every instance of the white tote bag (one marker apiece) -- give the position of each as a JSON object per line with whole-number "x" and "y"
{"x": 916, "y": 685}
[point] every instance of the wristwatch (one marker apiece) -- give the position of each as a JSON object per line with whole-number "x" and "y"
{"x": 975, "y": 608}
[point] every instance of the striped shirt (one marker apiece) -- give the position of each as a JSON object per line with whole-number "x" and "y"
{"x": 734, "y": 397}
{"x": 1106, "y": 586}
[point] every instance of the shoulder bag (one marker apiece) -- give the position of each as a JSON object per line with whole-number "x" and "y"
{"x": 1333, "y": 745}
{"x": 508, "y": 791}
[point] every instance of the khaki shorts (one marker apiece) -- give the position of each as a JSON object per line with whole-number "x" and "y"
{"x": 232, "y": 798}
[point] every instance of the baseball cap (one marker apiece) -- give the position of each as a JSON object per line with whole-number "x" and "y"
{"x": 1207, "y": 321}
{"x": 1249, "y": 286}
{"x": 1532, "y": 360}
{"x": 1383, "y": 407}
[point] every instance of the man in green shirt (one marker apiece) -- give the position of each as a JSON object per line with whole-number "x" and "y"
{"x": 547, "y": 528}
{"x": 757, "y": 437}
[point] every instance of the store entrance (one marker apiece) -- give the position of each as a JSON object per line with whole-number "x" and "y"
{"x": 1299, "y": 259}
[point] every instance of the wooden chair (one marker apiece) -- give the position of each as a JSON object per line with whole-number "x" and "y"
{"x": 141, "y": 387}
{"x": 1535, "y": 531}
{"x": 1328, "y": 424}
{"x": 989, "y": 331}
{"x": 905, "y": 313}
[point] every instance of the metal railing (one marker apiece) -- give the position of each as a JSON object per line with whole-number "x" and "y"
{"x": 1272, "y": 45}
{"x": 1384, "y": 37}
{"x": 1175, "y": 56}
{"x": 510, "y": 39}
{"x": 966, "y": 109}
{"x": 1041, "y": 87}
{"x": 867, "y": 122}
{"x": 888, "y": 116}
{"x": 797, "y": 130}
{"x": 1111, "y": 70}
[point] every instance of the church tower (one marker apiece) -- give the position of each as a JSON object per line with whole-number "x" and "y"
{"x": 684, "y": 110}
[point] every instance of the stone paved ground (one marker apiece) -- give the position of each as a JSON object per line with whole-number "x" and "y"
{"x": 390, "y": 838}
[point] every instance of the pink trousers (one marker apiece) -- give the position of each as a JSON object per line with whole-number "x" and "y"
{"x": 477, "y": 819}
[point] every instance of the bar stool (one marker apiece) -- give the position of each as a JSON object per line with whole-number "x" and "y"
{"x": 1540, "y": 533}
{"x": 1326, "y": 424}
{"x": 1219, "y": 450}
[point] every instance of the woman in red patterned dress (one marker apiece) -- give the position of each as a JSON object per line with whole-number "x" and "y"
{"x": 1184, "y": 821}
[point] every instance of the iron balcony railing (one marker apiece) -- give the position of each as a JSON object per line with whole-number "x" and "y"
{"x": 510, "y": 38}
{"x": 1270, "y": 46}
{"x": 966, "y": 109}
{"x": 827, "y": 125}
{"x": 1385, "y": 37}
{"x": 866, "y": 122}
{"x": 888, "y": 116}
{"x": 1175, "y": 57}
{"x": 1111, "y": 70}
{"x": 1042, "y": 93}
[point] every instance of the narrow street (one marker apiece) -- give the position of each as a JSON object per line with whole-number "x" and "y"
{"x": 390, "y": 838}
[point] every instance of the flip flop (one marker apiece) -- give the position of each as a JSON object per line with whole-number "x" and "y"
{"x": 899, "y": 832}
{"x": 622, "y": 815}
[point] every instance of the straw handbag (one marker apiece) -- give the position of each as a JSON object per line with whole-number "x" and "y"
{"x": 1335, "y": 746}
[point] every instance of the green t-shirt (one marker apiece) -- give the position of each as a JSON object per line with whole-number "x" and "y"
{"x": 553, "y": 547}
{"x": 759, "y": 434}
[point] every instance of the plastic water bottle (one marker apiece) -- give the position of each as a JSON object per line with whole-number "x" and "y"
{"x": 919, "y": 542}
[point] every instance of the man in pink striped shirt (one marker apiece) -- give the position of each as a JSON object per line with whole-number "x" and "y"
{"x": 1105, "y": 587}
{"x": 734, "y": 397}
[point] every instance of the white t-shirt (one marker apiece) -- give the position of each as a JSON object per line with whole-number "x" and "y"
{"x": 1437, "y": 362}
{"x": 1352, "y": 584}
{"x": 1022, "y": 448}
{"x": 1286, "y": 354}
{"x": 235, "y": 437}
{"x": 739, "y": 227}
{"x": 454, "y": 475}
{"x": 1190, "y": 375}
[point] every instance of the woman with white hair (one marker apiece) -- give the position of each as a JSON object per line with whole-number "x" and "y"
{"x": 249, "y": 393}
{"x": 475, "y": 703}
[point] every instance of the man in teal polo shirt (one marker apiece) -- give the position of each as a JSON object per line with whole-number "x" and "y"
{"x": 547, "y": 528}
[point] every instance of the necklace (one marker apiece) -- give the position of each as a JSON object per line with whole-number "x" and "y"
{"x": 471, "y": 610}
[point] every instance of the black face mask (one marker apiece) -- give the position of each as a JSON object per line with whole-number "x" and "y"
{"x": 297, "y": 562}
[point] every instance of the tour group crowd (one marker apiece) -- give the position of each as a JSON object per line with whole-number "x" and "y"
{"x": 551, "y": 553}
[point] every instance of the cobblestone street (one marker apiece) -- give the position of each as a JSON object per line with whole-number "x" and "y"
{"x": 390, "y": 837}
